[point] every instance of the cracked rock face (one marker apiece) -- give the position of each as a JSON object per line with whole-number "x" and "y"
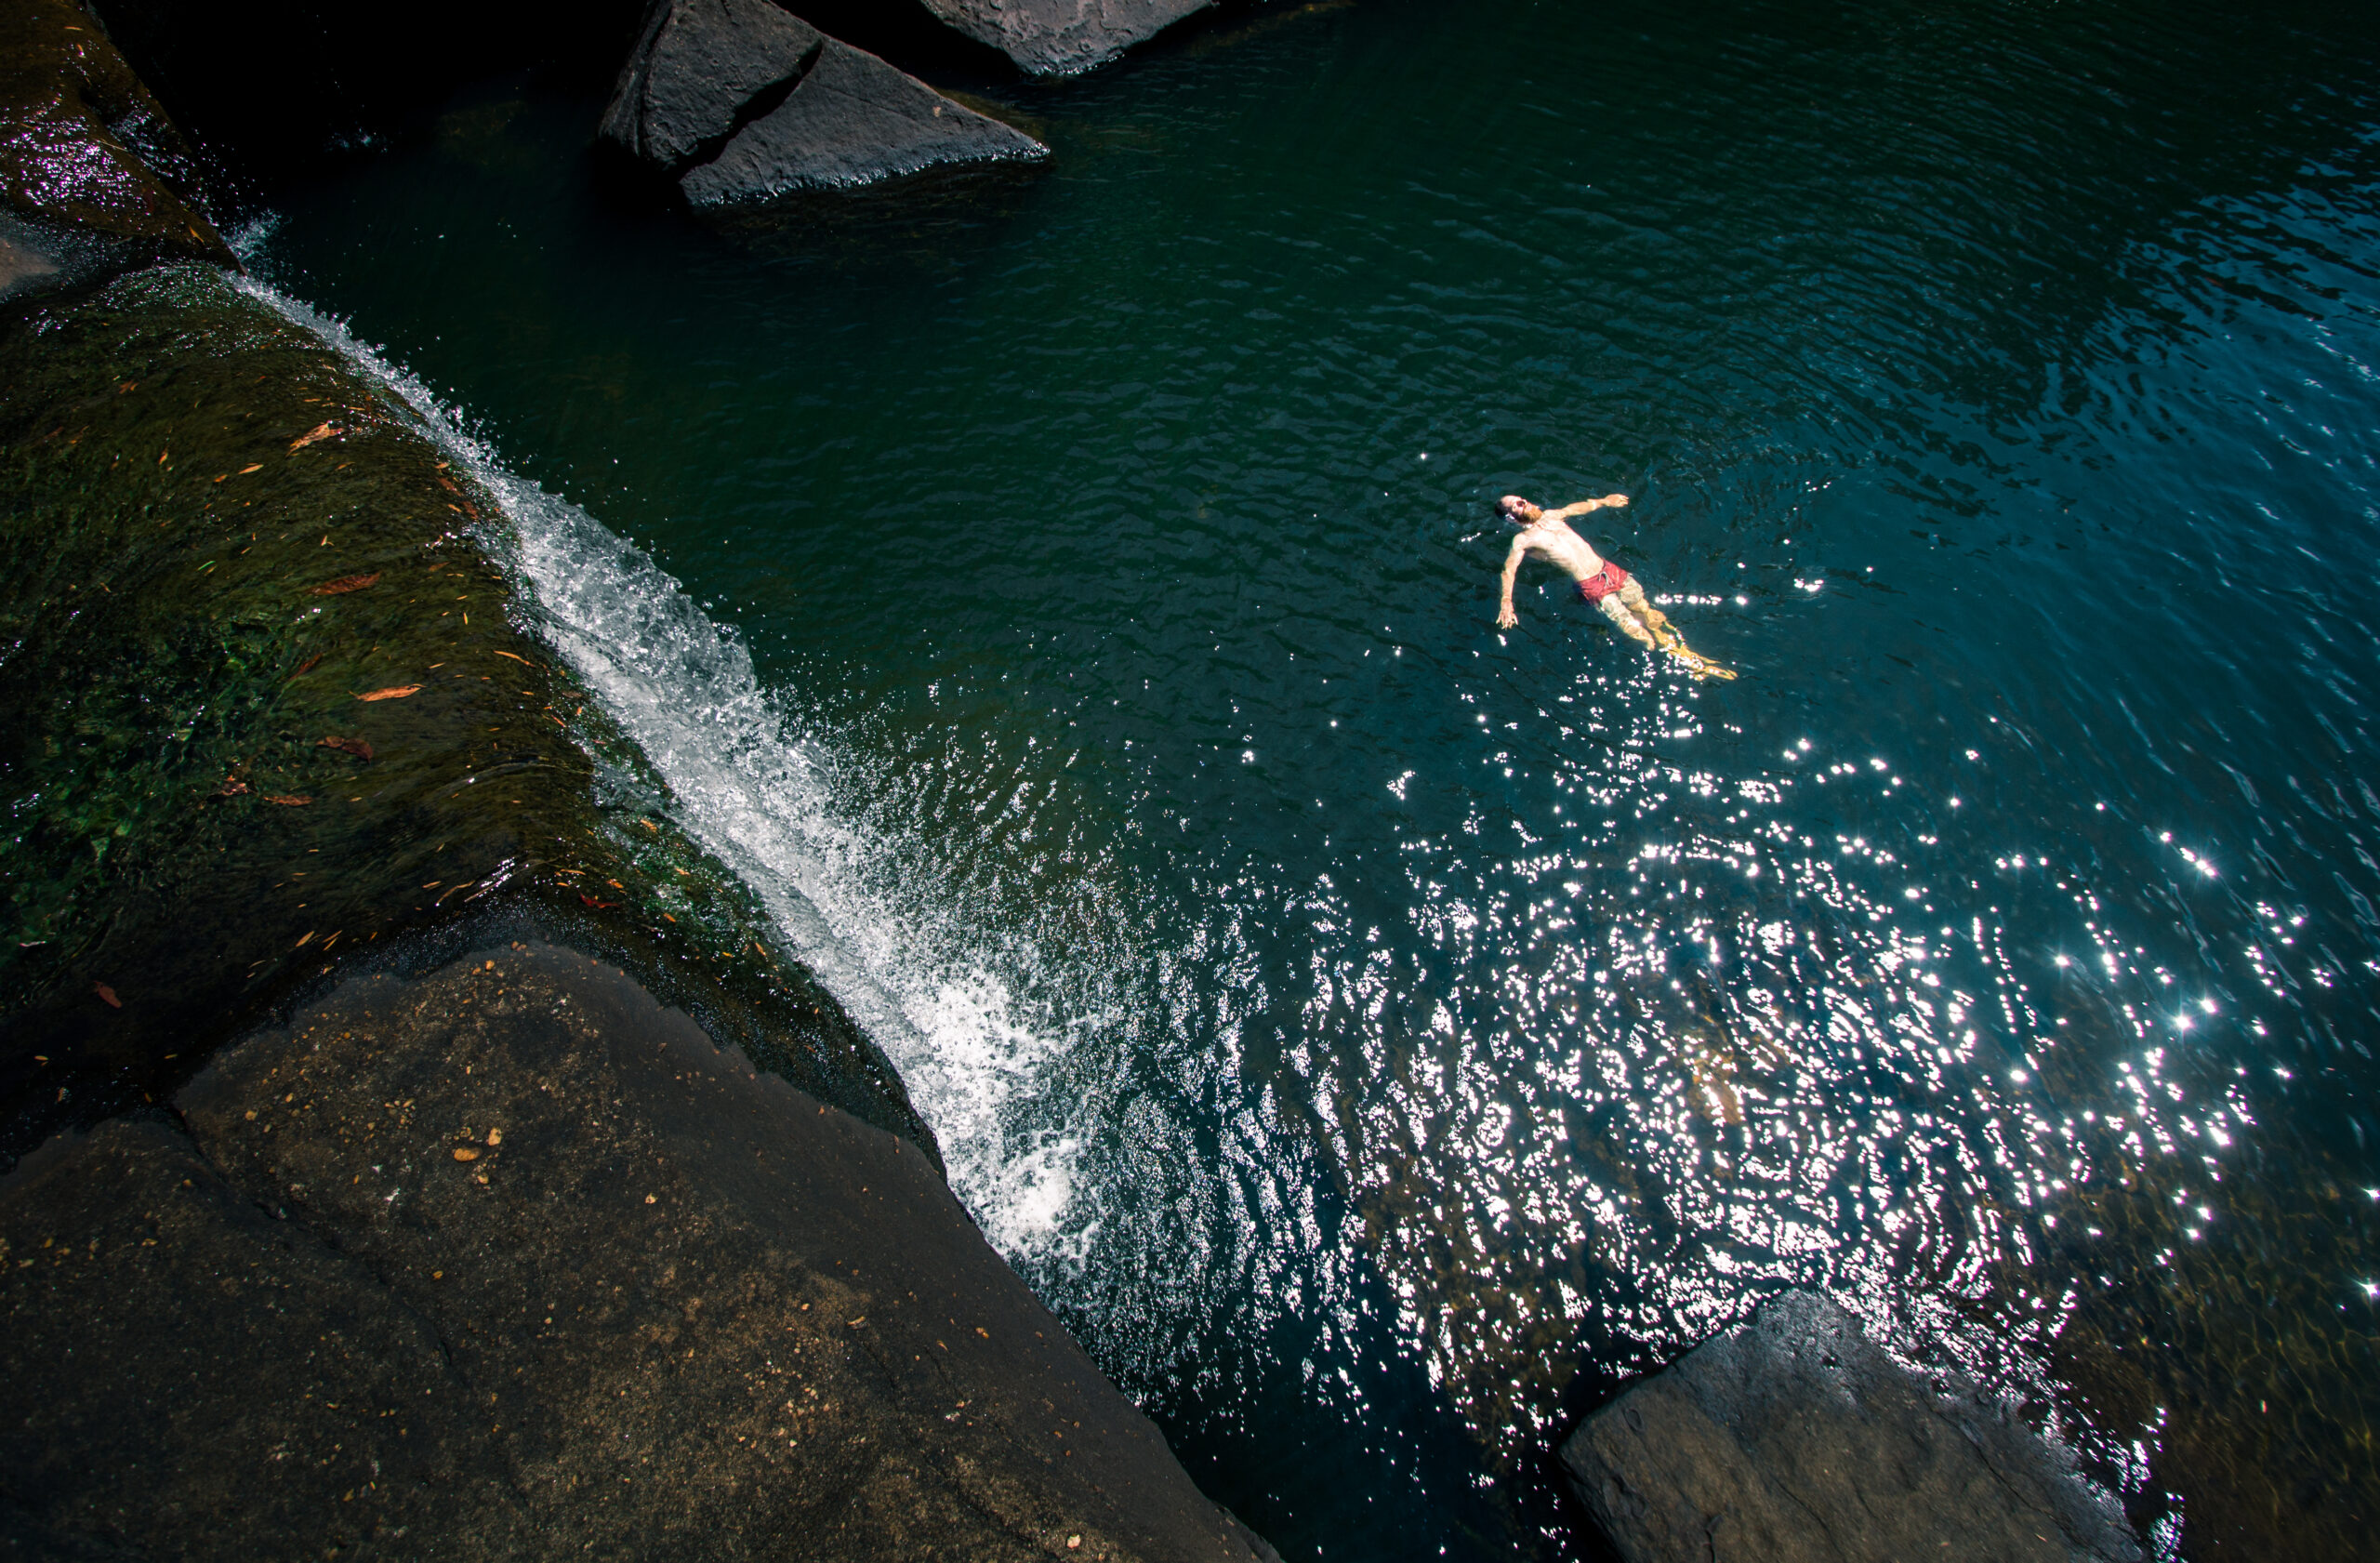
{"x": 1061, "y": 38}
{"x": 743, "y": 103}
{"x": 509, "y": 1260}
{"x": 1791, "y": 1438}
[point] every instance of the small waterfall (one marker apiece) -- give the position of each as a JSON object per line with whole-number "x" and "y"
{"x": 753, "y": 788}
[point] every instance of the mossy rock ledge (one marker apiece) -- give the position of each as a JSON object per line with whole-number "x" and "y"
{"x": 419, "y": 1147}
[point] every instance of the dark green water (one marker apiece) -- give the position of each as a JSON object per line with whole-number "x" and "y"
{"x": 1377, "y": 1034}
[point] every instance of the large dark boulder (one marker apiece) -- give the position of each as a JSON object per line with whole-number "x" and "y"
{"x": 92, "y": 173}
{"x": 743, "y": 104}
{"x": 509, "y": 1261}
{"x": 1791, "y": 1438}
{"x": 1061, "y": 37}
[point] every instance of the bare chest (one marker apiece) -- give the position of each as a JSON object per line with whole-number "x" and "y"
{"x": 1561, "y": 545}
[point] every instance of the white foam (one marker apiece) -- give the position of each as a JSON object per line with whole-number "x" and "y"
{"x": 753, "y": 786}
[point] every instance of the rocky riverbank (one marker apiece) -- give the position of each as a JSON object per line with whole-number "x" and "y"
{"x": 419, "y": 1146}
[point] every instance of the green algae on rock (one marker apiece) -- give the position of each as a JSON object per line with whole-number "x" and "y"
{"x": 266, "y": 700}
{"x": 88, "y": 161}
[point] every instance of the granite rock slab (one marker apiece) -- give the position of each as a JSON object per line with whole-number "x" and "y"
{"x": 1792, "y": 1439}
{"x": 507, "y": 1260}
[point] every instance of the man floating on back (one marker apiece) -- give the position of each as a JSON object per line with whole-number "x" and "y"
{"x": 1601, "y": 582}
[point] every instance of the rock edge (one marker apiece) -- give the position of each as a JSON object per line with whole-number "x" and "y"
{"x": 509, "y": 1259}
{"x": 1792, "y": 1439}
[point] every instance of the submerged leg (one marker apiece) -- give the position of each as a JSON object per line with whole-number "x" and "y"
{"x": 1630, "y": 623}
{"x": 1657, "y": 631}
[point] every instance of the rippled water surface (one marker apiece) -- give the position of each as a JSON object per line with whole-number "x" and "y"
{"x": 1380, "y": 1035}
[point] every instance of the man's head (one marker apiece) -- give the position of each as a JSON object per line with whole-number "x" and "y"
{"x": 1517, "y": 510}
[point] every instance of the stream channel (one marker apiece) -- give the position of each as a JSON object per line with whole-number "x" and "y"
{"x": 1378, "y": 1035}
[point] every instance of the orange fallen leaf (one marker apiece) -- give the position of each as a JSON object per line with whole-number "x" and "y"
{"x": 355, "y": 746}
{"x": 308, "y": 665}
{"x": 465, "y": 1153}
{"x": 258, "y": 467}
{"x": 290, "y": 800}
{"x": 398, "y": 693}
{"x": 107, "y": 996}
{"x": 322, "y": 430}
{"x": 522, "y": 660}
{"x": 344, "y": 585}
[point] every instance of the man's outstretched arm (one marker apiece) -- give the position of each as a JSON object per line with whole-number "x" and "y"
{"x": 1608, "y": 502}
{"x": 1506, "y": 617}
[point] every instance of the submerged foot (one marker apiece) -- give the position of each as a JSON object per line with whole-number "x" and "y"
{"x": 1700, "y": 665}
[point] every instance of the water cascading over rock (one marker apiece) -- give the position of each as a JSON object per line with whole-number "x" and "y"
{"x": 415, "y": 1141}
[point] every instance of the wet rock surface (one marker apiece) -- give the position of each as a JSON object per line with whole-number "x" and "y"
{"x": 1792, "y": 1439}
{"x": 507, "y": 1260}
{"x": 273, "y": 698}
{"x": 1061, "y": 38}
{"x": 743, "y": 104}
{"x": 92, "y": 171}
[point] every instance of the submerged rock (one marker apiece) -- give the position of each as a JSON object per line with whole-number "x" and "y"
{"x": 1061, "y": 37}
{"x": 1791, "y": 1438}
{"x": 743, "y": 104}
{"x": 95, "y": 174}
{"x": 509, "y": 1261}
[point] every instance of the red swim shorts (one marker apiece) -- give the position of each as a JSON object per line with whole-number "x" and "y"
{"x": 1603, "y": 583}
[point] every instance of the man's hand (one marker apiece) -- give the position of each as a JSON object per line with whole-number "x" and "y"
{"x": 1506, "y": 618}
